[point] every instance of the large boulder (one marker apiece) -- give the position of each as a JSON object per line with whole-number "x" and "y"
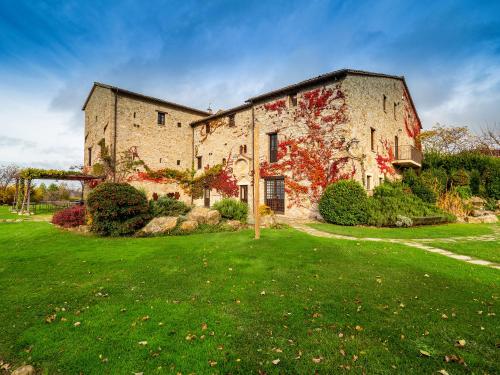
{"x": 487, "y": 219}
{"x": 477, "y": 202}
{"x": 160, "y": 224}
{"x": 204, "y": 215}
{"x": 24, "y": 370}
{"x": 189, "y": 225}
{"x": 233, "y": 224}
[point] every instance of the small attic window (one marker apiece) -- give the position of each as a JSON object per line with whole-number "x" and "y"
{"x": 161, "y": 118}
{"x": 293, "y": 99}
{"x": 231, "y": 120}
{"x": 178, "y": 162}
{"x": 134, "y": 114}
{"x": 384, "y": 103}
{"x": 179, "y": 124}
{"x": 207, "y": 128}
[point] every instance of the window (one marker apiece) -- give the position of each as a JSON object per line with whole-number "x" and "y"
{"x": 231, "y": 120}
{"x": 293, "y": 99}
{"x": 380, "y": 180}
{"x": 178, "y": 162}
{"x": 395, "y": 107}
{"x": 105, "y": 128}
{"x": 86, "y": 136}
{"x": 372, "y": 139}
{"x": 199, "y": 160}
{"x": 384, "y": 104}
{"x": 244, "y": 193}
{"x": 179, "y": 124}
{"x": 161, "y": 118}
{"x": 89, "y": 153}
{"x": 207, "y": 128}
{"x": 274, "y": 193}
{"x": 96, "y": 119}
{"x": 223, "y": 161}
{"x": 244, "y": 149}
{"x": 368, "y": 182}
{"x": 273, "y": 147}
{"x": 134, "y": 114}
{"x": 396, "y": 147}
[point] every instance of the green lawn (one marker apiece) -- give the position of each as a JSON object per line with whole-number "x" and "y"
{"x": 428, "y": 231}
{"x": 226, "y": 298}
{"x": 487, "y": 250}
{"x": 41, "y": 214}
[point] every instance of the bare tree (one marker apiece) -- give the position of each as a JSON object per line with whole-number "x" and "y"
{"x": 490, "y": 139}
{"x": 449, "y": 139}
{"x": 8, "y": 175}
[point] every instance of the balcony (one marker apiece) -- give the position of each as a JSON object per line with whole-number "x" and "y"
{"x": 407, "y": 156}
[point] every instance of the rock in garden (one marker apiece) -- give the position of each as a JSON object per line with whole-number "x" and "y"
{"x": 204, "y": 215}
{"x": 24, "y": 370}
{"x": 213, "y": 217}
{"x": 487, "y": 219}
{"x": 160, "y": 225}
{"x": 233, "y": 224}
{"x": 477, "y": 202}
{"x": 267, "y": 221}
{"x": 189, "y": 225}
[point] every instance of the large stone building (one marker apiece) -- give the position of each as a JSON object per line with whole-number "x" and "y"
{"x": 344, "y": 124}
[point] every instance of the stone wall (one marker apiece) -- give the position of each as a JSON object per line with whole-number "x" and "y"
{"x": 159, "y": 146}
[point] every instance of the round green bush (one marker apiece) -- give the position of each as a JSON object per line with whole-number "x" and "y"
{"x": 344, "y": 203}
{"x": 117, "y": 209}
{"x": 460, "y": 177}
{"x": 168, "y": 206}
{"x": 232, "y": 209}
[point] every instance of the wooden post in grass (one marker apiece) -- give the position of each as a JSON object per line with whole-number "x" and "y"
{"x": 256, "y": 177}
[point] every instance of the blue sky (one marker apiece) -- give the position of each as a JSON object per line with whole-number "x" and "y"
{"x": 221, "y": 52}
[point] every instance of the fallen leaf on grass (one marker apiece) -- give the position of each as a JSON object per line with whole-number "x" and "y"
{"x": 212, "y": 363}
{"x": 50, "y": 318}
{"x": 443, "y": 372}
{"x": 359, "y": 328}
{"x": 77, "y": 324}
{"x": 424, "y": 353}
{"x": 317, "y": 359}
{"x": 444, "y": 316}
{"x": 275, "y": 361}
{"x": 299, "y": 355}
{"x": 190, "y": 337}
{"x": 143, "y": 343}
{"x": 454, "y": 358}
{"x": 460, "y": 343}
{"x": 263, "y": 293}
{"x": 204, "y": 326}
{"x": 144, "y": 318}
{"x": 342, "y": 352}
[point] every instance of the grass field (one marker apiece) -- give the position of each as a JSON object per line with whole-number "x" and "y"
{"x": 224, "y": 303}
{"x": 487, "y": 250}
{"x": 429, "y": 231}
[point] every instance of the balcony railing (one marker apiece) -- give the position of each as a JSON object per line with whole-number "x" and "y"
{"x": 407, "y": 156}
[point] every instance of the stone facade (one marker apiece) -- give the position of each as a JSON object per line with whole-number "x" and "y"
{"x": 346, "y": 124}
{"x": 167, "y": 145}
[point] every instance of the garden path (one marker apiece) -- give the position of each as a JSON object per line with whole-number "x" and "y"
{"x": 415, "y": 243}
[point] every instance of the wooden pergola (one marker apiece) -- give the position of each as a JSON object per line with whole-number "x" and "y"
{"x": 24, "y": 178}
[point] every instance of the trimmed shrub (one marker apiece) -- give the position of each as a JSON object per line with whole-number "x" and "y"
{"x": 460, "y": 177}
{"x": 70, "y": 217}
{"x": 167, "y": 206}
{"x": 232, "y": 209}
{"x": 117, "y": 209}
{"x": 344, "y": 203}
{"x": 390, "y": 201}
{"x": 418, "y": 186}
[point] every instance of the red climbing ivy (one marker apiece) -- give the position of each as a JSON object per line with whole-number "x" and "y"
{"x": 278, "y": 106}
{"x": 412, "y": 125}
{"x": 314, "y": 159}
{"x": 385, "y": 162}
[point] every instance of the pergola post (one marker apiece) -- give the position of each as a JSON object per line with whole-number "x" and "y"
{"x": 29, "y": 196}
{"x": 16, "y": 195}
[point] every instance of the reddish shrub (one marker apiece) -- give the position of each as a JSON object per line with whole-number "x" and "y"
{"x": 70, "y": 217}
